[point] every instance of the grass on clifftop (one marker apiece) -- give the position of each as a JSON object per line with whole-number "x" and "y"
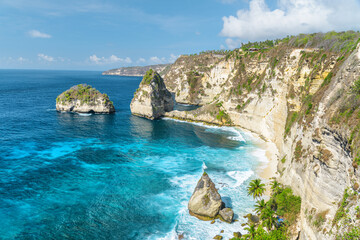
{"x": 149, "y": 76}
{"x": 84, "y": 93}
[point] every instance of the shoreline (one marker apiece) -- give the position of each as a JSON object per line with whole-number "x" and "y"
{"x": 268, "y": 169}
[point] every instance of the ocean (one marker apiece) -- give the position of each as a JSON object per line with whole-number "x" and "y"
{"x": 82, "y": 176}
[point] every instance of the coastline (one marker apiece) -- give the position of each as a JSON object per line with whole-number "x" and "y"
{"x": 268, "y": 169}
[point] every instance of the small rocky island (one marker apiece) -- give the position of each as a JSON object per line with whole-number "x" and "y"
{"x": 152, "y": 99}
{"x": 206, "y": 204}
{"x": 83, "y": 98}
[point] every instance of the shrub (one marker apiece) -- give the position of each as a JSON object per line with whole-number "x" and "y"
{"x": 291, "y": 119}
{"x": 352, "y": 234}
{"x": 355, "y": 88}
{"x": 309, "y": 108}
{"x": 288, "y": 205}
{"x": 298, "y": 150}
{"x": 340, "y": 213}
{"x": 327, "y": 79}
{"x": 148, "y": 76}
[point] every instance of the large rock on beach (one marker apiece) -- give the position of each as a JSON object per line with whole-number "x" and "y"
{"x": 83, "y": 98}
{"x": 205, "y": 203}
{"x": 152, "y": 99}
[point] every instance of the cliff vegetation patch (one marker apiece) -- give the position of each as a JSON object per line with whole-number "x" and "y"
{"x": 83, "y": 93}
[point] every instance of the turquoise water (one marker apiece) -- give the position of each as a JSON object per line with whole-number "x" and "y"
{"x": 70, "y": 176}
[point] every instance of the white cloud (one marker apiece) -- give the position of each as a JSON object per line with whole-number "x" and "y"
{"x": 21, "y": 59}
{"x": 128, "y": 60}
{"x": 173, "y": 58}
{"x": 112, "y": 59}
{"x": 38, "y": 34}
{"x": 156, "y": 60}
{"x": 95, "y": 59}
{"x": 231, "y": 43}
{"x": 291, "y": 17}
{"x": 44, "y": 57}
{"x": 141, "y": 60}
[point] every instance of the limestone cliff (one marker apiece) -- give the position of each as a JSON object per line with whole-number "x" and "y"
{"x": 152, "y": 99}
{"x": 302, "y": 94}
{"x": 83, "y": 98}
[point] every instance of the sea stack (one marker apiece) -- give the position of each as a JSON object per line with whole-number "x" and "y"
{"x": 83, "y": 98}
{"x": 205, "y": 203}
{"x": 152, "y": 99}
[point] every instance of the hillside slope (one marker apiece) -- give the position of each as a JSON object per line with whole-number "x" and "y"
{"x": 303, "y": 95}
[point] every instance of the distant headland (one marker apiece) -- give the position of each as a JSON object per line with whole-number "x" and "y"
{"x": 138, "y": 71}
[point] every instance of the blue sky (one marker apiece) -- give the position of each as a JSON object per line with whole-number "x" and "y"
{"x": 104, "y": 34}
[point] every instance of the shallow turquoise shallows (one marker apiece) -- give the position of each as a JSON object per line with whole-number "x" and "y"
{"x": 71, "y": 176}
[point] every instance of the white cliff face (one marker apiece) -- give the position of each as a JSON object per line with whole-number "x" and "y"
{"x": 210, "y": 74}
{"x": 99, "y": 106}
{"x": 326, "y": 166}
{"x": 84, "y": 99}
{"x": 152, "y": 99}
{"x": 316, "y": 158}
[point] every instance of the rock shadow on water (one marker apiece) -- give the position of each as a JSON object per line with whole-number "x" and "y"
{"x": 149, "y": 129}
{"x": 227, "y": 201}
{"x": 76, "y": 125}
{"x": 216, "y": 140}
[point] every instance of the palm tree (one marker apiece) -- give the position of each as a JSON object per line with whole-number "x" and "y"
{"x": 275, "y": 187}
{"x": 271, "y": 222}
{"x": 256, "y": 188}
{"x": 251, "y": 232}
{"x": 268, "y": 217}
{"x": 260, "y": 206}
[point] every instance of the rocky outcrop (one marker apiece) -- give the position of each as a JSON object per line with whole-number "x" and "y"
{"x": 83, "y": 98}
{"x": 227, "y": 214}
{"x": 152, "y": 99}
{"x": 205, "y": 202}
{"x": 138, "y": 71}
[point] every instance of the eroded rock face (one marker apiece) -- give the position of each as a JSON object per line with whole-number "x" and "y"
{"x": 152, "y": 99}
{"x": 83, "y": 98}
{"x": 205, "y": 201}
{"x": 227, "y": 214}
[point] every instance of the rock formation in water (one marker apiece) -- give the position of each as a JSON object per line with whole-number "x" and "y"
{"x": 205, "y": 203}
{"x": 83, "y": 98}
{"x": 152, "y": 99}
{"x": 227, "y": 214}
{"x": 302, "y": 95}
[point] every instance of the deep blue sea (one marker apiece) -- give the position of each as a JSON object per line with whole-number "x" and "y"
{"x": 71, "y": 176}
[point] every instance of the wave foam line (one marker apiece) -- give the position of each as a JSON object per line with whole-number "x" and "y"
{"x": 239, "y": 137}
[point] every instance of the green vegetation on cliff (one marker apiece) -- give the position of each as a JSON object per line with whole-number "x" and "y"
{"x": 330, "y": 41}
{"x": 83, "y": 93}
{"x": 281, "y": 205}
{"x": 149, "y": 76}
